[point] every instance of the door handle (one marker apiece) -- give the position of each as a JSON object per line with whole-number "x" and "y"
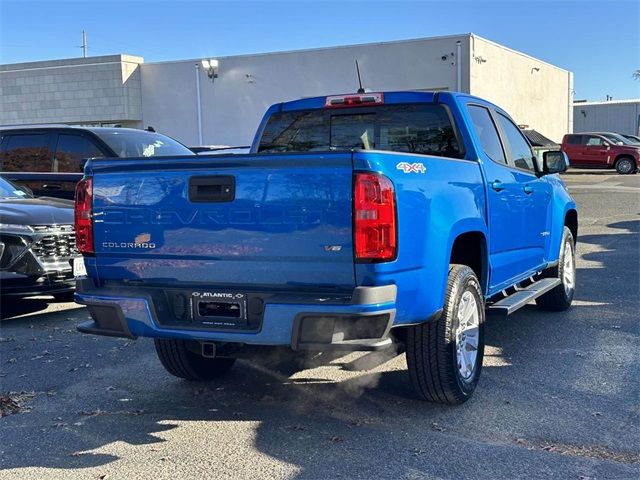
{"x": 497, "y": 185}
{"x": 528, "y": 189}
{"x": 52, "y": 186}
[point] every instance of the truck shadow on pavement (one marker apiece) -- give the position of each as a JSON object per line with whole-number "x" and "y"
{"x": 109, "y": 400}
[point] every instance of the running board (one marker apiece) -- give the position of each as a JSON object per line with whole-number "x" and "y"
{"x": 519, "y": 299}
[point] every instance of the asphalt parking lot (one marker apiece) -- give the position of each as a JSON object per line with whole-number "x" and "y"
{"x": 559, "y": 394}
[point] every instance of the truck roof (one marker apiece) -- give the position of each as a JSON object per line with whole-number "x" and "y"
{"x": 58, "y": 126}
{"x": 389, "y": 98}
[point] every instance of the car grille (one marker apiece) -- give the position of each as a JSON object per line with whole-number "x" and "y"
{"x": 58, "y": 241}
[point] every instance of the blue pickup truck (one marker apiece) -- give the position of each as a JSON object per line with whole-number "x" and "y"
{"x": 356, "y": 222}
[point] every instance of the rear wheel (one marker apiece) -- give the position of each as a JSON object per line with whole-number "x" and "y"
{"x": 444, "y": 356}
{"x": 626, "y": 165}
{"x": 560, "y": 297}
{"x": 179, "y": 360}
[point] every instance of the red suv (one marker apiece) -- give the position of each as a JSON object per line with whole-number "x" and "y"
{"x": 602, "y": 150}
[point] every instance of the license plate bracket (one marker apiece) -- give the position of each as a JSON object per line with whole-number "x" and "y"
{"x": 219, "y": 309}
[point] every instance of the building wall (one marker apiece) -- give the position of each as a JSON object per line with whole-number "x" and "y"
{"x": 614, "y": 116}
{"x": 234, "y": 103}
{"x": 84, "y": 90}
{"x": 538, "y": 98}
{"x": 122, "y": 89}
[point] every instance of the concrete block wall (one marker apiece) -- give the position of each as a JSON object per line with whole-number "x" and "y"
{"x": 85, "y": 90}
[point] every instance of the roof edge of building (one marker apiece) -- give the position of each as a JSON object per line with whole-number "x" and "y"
{"x": 316, "y": 49}
{"x": 608, "y": 102}
{"x": 69, "y": 62}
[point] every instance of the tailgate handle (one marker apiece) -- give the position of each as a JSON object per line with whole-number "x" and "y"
{"x": 219, "y": 188}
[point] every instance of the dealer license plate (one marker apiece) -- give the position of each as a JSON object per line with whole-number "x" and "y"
{"x": 79, "y": 270}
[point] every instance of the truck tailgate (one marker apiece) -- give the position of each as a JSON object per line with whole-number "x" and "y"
{"x": 267, "y": 220}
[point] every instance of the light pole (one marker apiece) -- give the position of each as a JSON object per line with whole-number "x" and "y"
{"x": 198, "y": 103}
{"x": 458, "y": 66}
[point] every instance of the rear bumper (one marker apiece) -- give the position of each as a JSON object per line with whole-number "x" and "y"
{"x": 360, "y": 322}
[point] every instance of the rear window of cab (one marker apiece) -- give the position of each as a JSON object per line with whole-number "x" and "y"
{"x": 426, "y": 129}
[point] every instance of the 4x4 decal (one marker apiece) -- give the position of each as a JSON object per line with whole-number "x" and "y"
{"x": 407, "y": 167}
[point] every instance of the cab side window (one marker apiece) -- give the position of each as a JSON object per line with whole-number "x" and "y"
{"x": 594, "y": 141}
{"x": 26, "y": 153}
{"x": 487, "y": 133}
{"x": 71, "y": 151}
{"x": 575, "y": 140}
{"x": 521, "y": 153}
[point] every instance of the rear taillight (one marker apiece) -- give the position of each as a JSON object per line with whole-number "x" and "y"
{"x": 83, "y": 216}
{"x": 374, "y": 212}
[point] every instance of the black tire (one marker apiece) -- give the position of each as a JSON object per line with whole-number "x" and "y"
{"x": 560, "y": 297}
{"x": 626, "y": 166}
{"x": 431, "y": 347}
{"x": 179, "y": 360}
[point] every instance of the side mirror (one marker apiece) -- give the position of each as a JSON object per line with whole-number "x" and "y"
{"x": 554, "y": 162}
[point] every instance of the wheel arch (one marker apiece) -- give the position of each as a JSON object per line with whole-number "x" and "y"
{"x": 470, "y": 249}
{"x": 571, "y": 221}
{"x": 625, "y": 156}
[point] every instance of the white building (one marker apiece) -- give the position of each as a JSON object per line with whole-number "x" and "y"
{"x": 620, "y": 116}
{"x": 123, "y": 89}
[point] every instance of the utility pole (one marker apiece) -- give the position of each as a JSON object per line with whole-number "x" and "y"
{"x": 84, "y": 44}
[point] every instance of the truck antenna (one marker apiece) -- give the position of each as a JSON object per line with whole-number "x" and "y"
{"x": 360, "y": 90}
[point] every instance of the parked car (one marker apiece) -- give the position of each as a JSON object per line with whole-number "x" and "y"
{"x": 617, "y": 138}
{"x": 49, "y": 158}
{"x": 601, "y": 150}
{"x": 37, "y": 243}
{"x": 632, "y": 138}
{"x": 355, "y": 220}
